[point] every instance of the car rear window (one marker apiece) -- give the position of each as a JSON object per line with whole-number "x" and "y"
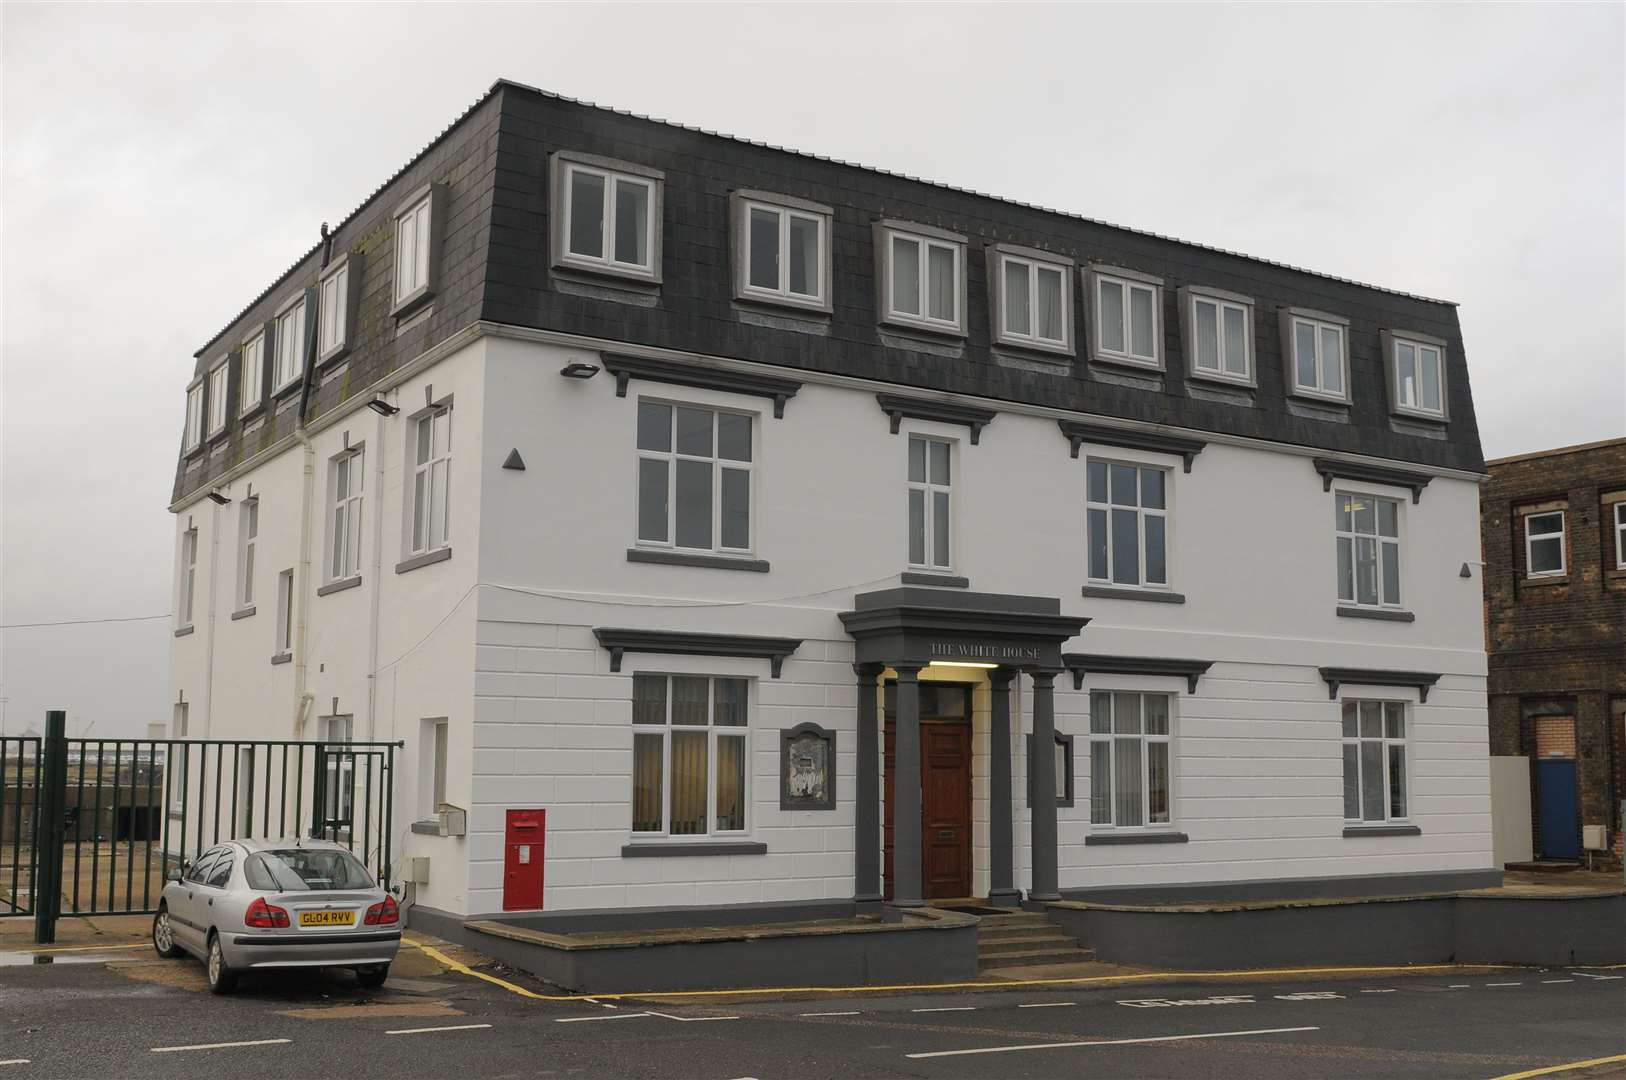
{"x": 301, "y": 869}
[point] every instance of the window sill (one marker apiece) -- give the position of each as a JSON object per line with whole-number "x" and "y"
{"x": 338, "y": 352}
{"x": 190, "y": 451}
{"x": 1438, "y": 419}
{"x": 1319, "y": 399}
{"x": 292, "y": 384}
{"x": 249, "y": 412}
{"x": 182, "y": 631}
{"x": 1146, "y": 367}
{"x": 426, "y": 827}
{"x": 1386, "y": 614}
{"x": 654, "y": 849}
{"x": 412, "y": 301}
{"x": 818, "y": 309}
{"x": 339, "y": 586}
{"x": 1049, "y": 350}
{"x": 1107, "y": 592}
{"x": 242, "y": 613}
{"x": 926, "y": 577}
{"x": 282, "y": 658}
{"x": 1351, "y": 831}
{"x": 217, "y": 435}
{"x": 933, "y": 331}
{"x": 643, "y": 280}
{"x": 428, "y": 558}
{"x": 1136, "y": 838}
{"x": 1546, "y": 579}
{"x": 683, "y": 558}
{"x": 1247, "y": 384}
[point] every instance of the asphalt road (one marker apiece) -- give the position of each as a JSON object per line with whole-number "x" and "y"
{"x": 142, "y": 1017}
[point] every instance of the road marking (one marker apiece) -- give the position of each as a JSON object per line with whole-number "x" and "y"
{"x": 1046, "y": 1005}
{"x": 1550, "y": 982}
{"x": 1169, "y": 1003}
{"x": 949, "y": 1008}
{"x": 1382, "y": 991}
{"x": 1109, "y": 1042}
{"x": 15, "y": 1061}
{"x": 689, "y": 1019}
{"x": 427, "y": 1030}
{"x": 1549, "y": 1070}
{"x": 583, "y": 1019}
{"x": 75, "y": 948}
{"x": 1459, "y": 986}
{"x": 219, "y": 1045}
{"x": 849, "y": 1012}
{"x": 1311, "y": 995}
{"x": 1587, "y": 975}
{"x": 1505, "y": 984}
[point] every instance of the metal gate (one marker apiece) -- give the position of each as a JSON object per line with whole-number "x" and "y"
{"x": 106, "y": 819}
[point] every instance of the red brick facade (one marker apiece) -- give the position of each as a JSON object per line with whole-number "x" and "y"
{"x": 1557, "y": 641}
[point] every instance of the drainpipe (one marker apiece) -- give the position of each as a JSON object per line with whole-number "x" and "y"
{"x": 305, "y": 592}
{"x": 377, "y": 576}
{"x": 209, "y": 642}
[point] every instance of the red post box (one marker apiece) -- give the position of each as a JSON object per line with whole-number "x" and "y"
{"x": 522, "y": 860}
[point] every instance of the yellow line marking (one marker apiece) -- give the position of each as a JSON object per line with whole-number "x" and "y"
{"x": 1549, "y": 1070}
{"x": 79, "y": 948}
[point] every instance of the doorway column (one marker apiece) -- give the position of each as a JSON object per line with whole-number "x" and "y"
{"x": 1044, "y": 787}
{"x": 906, "y": 830}
{"x": 867, "y": 791}
{"x": 1001, "y": 875}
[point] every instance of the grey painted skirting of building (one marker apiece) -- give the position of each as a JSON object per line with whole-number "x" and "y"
{"x": 428, "y": 558}
{"x": 941, "y": 581}
{"x": 654, "y": 850}
{"x": 339, "y": 586}
{"x": 1408, "y": 884}
{"x": 1381, "y": 830}
{"x": 1106, "y": 592}
{"x": 712, "y": 562}
{"x": 1346, "y": 612}
{"x": 1136, "y": 838}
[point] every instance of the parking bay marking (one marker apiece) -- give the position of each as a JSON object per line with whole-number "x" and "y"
{"x": 15, "y": 1061}
{"x": 1045, "y": 1005}
{"x": 219, "y": 1045}
{"x": 847, "y": 1012}
{"x": 429, "y": 1030}
{"x": 581, "y": 1019}
{"x": 1108, "y": 1042}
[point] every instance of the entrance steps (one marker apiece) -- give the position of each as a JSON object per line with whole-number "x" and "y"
{"x": 1025, "y": 938}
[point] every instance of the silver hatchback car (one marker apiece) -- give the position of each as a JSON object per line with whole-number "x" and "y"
{"x": 252, "y": 904}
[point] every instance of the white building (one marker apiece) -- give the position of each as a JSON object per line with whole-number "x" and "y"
{"x": 658, "y": 517}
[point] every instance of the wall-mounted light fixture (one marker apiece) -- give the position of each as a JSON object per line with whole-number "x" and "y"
{"x": 579, "y": 371}
{"x": 218, "y": 499}
{"x": 382, "y": 407}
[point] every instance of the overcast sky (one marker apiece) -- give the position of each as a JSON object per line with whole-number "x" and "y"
{"x": 163, "y": 164}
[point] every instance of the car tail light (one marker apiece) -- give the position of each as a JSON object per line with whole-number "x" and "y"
{"x": 265, "y": 916}
{"x": 383, "y": 913}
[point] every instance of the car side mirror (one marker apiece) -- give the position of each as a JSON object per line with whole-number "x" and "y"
{"x": 173, "y": 875}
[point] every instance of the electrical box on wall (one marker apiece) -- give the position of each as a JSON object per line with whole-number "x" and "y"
{"x": 452, "y": 820}
{"x": 1595, "y": 837}
{"x": 418, "y": 869}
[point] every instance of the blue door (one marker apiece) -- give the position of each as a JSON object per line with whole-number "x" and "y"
{"x": 1560, "y": 815}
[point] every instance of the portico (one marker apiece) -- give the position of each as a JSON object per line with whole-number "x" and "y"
{"x": 906, "y": 630}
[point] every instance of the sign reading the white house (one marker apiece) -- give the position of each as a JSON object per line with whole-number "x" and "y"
{"x": 989, "y": 652}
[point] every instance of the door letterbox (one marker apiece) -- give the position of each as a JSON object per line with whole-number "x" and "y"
{"x": 522, "y": 860}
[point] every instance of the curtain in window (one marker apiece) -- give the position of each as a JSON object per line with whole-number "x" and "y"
{"x": 689, "y": 700}
{"x": 905, "y": 276}
{"x": 804, "y": 257}
{"x": 942, "y": 283}
{"x": 764, "y": 246}
{"x": 1049, "y": 305}
{"x": 646, "y": 782}
{"x": 688, "y": 783}
{"x": 1101, "y": 782}
{"x": 1157, "y": 782}
{"x": 631, "y": 223}
{"x": 1017, "y": 319}
{"x": 1127, "y": 801}
{"x": 730, "y": 783}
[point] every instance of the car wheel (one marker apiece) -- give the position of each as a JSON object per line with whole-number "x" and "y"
{"x": 222, "y": 979}
{"x": 163, "y": 935}
{"x": 373, "y": 976}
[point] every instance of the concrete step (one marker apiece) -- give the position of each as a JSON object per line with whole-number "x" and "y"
{"x": 1036, "y": 957}
{"x": 1036, "y": 942}
{"x": 1001, "y": 922}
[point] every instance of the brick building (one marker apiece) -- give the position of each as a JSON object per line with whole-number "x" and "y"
{"x": 1554, "y": 534}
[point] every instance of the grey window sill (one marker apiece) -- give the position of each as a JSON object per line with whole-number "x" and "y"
{"x": 930, "y": 331}
{"x": 1136, "y": 838}
{"x": 1106, "y": 592}
{"x": 1152, "y": 368}
{"x": 282, "y": 658}
{"x": 684, "y": 558}
{"x": 724, "y": 847}
{"x": 412, "y": 301}
{"x": 1546, "y": 579}
{"x": 426, "y": 827}
{"x": 1386, "y": 614}
{"x": 942, "y": 581}
{"x": 1209, "y": 378}
{"x": 182, "y": 631}
{"x": 242, "y": 613}
{"x": 1351, "y": 831}
{"x": 815, "y": 309}
{"x": 428, "y": 558}
{"x": 1319, "y": 399}
{"x": 641, "y": 281}
{"x": 339, "y": 586}
{"x": 1049, "y": 351}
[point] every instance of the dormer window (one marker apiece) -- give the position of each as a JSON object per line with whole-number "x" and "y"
{"x": 922, "y": 271}
{"x": 217, "y": 397}
{"x": 417, "y": 248}
{"x": 194, "y": 416}
{"x": 1416, "y": 367}
{"x": 781, "y": 250}
{"x": 1128, "y": 317}
{"x": 1317, "y": 348}
{"x": 1218, "y": 334}
{"x": 335, "y": 306}
{"x": 251, "y": 383}
{"x": 607, "y": 216}
{"x": 289, "y": 342}
{"x": 1031, "y": 292}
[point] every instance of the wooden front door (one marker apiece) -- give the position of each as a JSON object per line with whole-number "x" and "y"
{"x": 945, "y": 791}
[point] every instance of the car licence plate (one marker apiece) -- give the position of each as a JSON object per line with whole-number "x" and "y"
{"x": 327, "y": 918}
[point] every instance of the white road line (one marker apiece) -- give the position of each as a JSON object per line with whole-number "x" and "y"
{"x": 428, "y": 1030}
{"x": 581, "y": 1019}
{"x": 1110, "y": 1042}
{"x": 1459, "y": 986}
{"x": 15, "y": 1061}
{"x": 949, "y": 1008}
{"x": 1588, "y": 975}
{"x": 219, "y": 1045}
{"x": 1549, "y": 982}
{"x": 849, "y": 1012}
{"x": 1380, "y": 991}
{"x": 1046, "y": 1005}
{"x": 689, "y": 1019}
{"x": 1505, "y": 984}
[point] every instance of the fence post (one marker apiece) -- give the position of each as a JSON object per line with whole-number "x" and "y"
{"x": 49, "y": 830}
{"x": 319, "y": 794}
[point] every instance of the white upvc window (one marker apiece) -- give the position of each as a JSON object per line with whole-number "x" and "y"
{"x": 930, "y": 504}
{"x": 248, "y": 532}
{"x": 1620, "y": 535}
{"x": 1368, "y": 539}
{"x": 609, "y": 219}
{"x": 1220, "y": 339}
{"x": 413, "y": 247}
{"x": 339, "y": 763}
{"x": 694, "y": 478}
{"x": 218, "y": 378}
{"x": 1544, "y": 554}
{"x": 1033, "y": 302}
{"x": 285, "y": 613}
{"x": 431, "y": 481}
{"x": 189, "y": 576}
{"x": 289, "y": 345}
{"x": 1318, "y": 348}
{"x": 1128, "y": 318}
{"x": 333, "y": 311}
{"x": 1418, "y": 370}
{"x": 251, "y": 387}
{"x": 345, "y": 477}
{"x": 689, "y": 755}
{"x": 1127, "y": 526}
{"x": 194, "y": 416}
{"x": 1374, "y": 739}
{"x": 923, "y": 280}
{"x": 1131, "y": 783}
{"x": 175, "y": 758}
{"x": 785, "y": 253}
{"x": 432, "y": 772}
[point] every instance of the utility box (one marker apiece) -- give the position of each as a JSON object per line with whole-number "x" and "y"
{"x": 522, "y": 860}
{"x": 1595, "y": 837}
{"x": 451, "y": 820}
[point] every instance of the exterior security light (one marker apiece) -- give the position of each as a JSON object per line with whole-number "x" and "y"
{"x": 579, "y": 371}
{"x": 382, "y": 407}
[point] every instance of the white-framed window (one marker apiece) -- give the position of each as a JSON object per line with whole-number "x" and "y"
{"x": 1131, "y": 784}
{"x": 339, "y": 768}
{"x": 785, "y": 253}
{"x": 1620, "y": 535}
{"x": 689, "y": 755}
{"x": 1418, "y": 370}
{"x": 289, "y": 345}
{"x": 194, "y": 416}
{"x": 431, "y": 480}
{"x": 1127, "y": 524}
{"x": 189, "y": 575}
{"x": 1544, "y": 554}
{"x": 1319, "y": 357}
{"x": 345, "y": 482}
{"x": 285, "y": 613}
{"x": 217, "y": 397}
{"x": 333, "y": 311}
{"x": 251, "y": 387}
{"x": 1033, "y": 302}
{"x": 924, "y": 280}
{"x": 930, "y": 503}
{"x": 609, "y": 219}
{"x": 432, "y": 775}
{"x": 694, "y": 477}
{"x": 1221, "y": 336}
{"x": 413, "y": 244}
{"x": 1368, "y": 539}
{"x": 175, "y": 758}
{"x": 248, "y": 532}
{"x": 1374, "y": 761}
{"x": 1128, "y": 319}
